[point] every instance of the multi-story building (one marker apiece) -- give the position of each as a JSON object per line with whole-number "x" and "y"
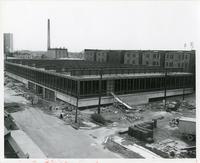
{"x": 56, "y": 53}
{"x": 22, "y": 55}
{"x": 8, "y": 43}
{"x": 101, "y": 56}
{"x": 158, "y": 58}
{"x": 151, "y": 58}
{"x": 177, "y": 59}
{"x": 89, "y": 55}
{"x": 131, "y": 57}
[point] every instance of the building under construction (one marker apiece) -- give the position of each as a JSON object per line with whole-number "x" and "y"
{"x": 85, "y": 84}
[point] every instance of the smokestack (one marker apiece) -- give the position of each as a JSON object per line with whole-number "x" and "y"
{"x": 48, "y": 37}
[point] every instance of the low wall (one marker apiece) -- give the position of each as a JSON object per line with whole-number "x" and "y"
{"x": 134, "y": 99}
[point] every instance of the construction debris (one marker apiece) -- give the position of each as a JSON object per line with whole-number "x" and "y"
{"x": 142, "y": 131}
{"x": 169, "y": 146}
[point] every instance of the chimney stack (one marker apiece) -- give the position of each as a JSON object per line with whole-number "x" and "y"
{"x": 48, "y": 37}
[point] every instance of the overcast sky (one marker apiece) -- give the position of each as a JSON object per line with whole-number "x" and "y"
{"x": 101, "y": 25}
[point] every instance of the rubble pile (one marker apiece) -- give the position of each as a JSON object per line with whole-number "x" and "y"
{"x": 169, "y": 146}
{"x": 117, "y": 115}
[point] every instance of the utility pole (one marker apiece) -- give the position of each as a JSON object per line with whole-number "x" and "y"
{"x": 77, "y": 98}
{"x": 100, "y": 90}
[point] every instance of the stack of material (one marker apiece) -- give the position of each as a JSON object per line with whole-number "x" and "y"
{"x": 142, "y": 131}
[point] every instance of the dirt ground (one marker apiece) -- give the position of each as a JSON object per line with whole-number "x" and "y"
{"x": 166, "y": 138}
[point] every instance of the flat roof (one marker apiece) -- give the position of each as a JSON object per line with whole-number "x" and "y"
{"x": 104, "y": 76}
{"x": 140, "y": 50}
{"x": 134, "y": 75}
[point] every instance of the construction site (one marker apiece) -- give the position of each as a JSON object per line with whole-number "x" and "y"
{"x": 120, "y": 127}
{"x": 101, "y": 106}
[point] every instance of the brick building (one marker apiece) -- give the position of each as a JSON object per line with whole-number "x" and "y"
{"x": 158, "y": 58}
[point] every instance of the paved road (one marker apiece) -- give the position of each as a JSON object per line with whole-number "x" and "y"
{"x": 56, "y": 139}
{"x": 52, "y": 135}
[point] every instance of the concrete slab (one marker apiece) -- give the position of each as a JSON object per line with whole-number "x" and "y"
{"x": 26, "y": 144}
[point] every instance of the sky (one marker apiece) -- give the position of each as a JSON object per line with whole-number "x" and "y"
{"x": 81, "y": 25}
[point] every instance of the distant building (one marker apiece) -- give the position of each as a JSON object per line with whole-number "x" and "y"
{"x": 131, "y": 57}
{"x": 172, "y": 58}
{"x": 177, "y": 59}
{"x": 8, "y": 43}
{"x": 22, "y": 54}
{"x": 79, "y": 55}
{"x": 56, "y": 53}
{"x": 151, "y": 58}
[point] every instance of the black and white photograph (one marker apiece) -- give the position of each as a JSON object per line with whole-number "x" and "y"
{"x": 99, "y": 79}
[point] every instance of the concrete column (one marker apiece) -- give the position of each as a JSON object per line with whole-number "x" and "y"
{"x": 49, "y": 94}
{"x": 54, "y": 96}
{"x": 110, "y": 86}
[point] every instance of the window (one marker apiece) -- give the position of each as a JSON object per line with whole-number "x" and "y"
{"x": 154, "y": 55}
{"x": 179, "y": 65}
{"x": 147, "y": 55}
{"x": 171, "y": 56}
{"x": 183, "y": 56}
{"x": 171, "y": 64}
{"x": 186, "y": 65}
{"x": 147, "y": 62}
{"x": 133, "y": 62}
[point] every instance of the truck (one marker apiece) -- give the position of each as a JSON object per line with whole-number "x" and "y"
{"x": 187, "y": 127}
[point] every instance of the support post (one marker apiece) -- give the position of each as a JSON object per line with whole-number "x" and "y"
{"x": 77, "y": 98}
{"x": 43, "y": 93}
{"x": 100, "y": 89}
{"x": 184, "y": 88}
{"x": 165, "y": 91}
{"x": 165, "y": 84}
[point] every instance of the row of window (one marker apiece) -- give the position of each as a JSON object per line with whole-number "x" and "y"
{"x": 61, "y": 52}
{"x": 130, "y": 55}
{"x": 180, "y": 56}
{"x": 123, "y": 86}
{"x": 55, "y": 82}
{"x": 147, "y": 55}
{"x": 171, "y": 64}
{"x": 130, "y": 61}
